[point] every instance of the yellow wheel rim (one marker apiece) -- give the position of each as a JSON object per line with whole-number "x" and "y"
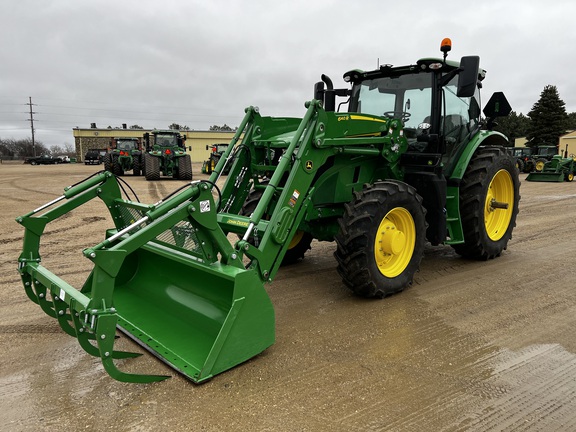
{"x": 296, "y": 239}
{"x": 394, "y": 242}
{"x": 539, "y": 166}
{"x": 499, "y": 205}
{"x": 570, "y": 177}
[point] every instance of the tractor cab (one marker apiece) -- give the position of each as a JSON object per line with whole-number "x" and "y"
{"x": 126, "y": 144}
{"x": 438, "y": 101}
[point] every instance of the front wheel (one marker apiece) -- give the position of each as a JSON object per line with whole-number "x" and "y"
{"x": 489, "y": 197}
{"x": 381, "y": 239}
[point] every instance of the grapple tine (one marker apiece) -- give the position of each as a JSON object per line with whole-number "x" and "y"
{"x": 40, "y": 293}
{"x": 27, "y": 282}
{"x": 63, "y": 317}
{"x": 84, "y": 338}
{"x": 115, "y": 373}
{"x": 105, "y": 330}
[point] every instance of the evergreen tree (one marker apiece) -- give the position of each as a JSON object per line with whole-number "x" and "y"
{"x": 572, "y": 121}
{"x": 548, "y": 119}
{"x": 513, "y": 126}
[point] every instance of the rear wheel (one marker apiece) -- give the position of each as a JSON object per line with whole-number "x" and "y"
{"x": 489, "y": 197}
{"x": 520, "y": 165}
{"x": 107, "y": 162}
{"x": 116, "y": 167}
{"x": 381, "y": 239}
{"x": 529, "y": 165}
{"x": 136, "y": 165}
{"x": 151, "y": 167}
{"x": 185, "y": 168}
{"x": 539, "y": 165}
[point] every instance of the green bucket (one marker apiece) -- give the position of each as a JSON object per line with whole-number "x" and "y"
{"x": 200, "y": 319}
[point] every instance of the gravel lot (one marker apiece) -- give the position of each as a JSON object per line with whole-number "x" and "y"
{"x": 471, "y": 346}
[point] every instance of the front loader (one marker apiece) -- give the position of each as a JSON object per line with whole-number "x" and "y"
{"x": 410, "y": 161}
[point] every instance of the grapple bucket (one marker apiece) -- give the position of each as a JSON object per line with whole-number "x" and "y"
{"x": 202, "y": 320}
{"x": 166, "y": 276}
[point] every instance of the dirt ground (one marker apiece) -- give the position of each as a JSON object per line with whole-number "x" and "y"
{"x": 471, "y": 346}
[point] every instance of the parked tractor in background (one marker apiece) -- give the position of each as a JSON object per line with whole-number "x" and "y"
{"x": 125, "y": 154}
{"x": 543, "y": 154}
{"x": 216, "y": 152}
{"x": 558, "y": 169}
{"x": 523, "y": 157}
{"x": 529, "y": 159}
{"x": 166, "y": 155}
{"x": 409, "y": 162}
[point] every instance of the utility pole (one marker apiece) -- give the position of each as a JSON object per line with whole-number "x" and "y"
{"x": 31, "y": 120}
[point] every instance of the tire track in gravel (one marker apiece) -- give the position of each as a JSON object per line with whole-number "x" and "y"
{"x": 157, "y": 190}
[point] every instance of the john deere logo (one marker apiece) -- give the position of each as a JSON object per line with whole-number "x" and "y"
{"x": 309, "y": 165}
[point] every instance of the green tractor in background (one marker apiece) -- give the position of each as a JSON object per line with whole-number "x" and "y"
{"x": 125, "y": 154}
{"x": 409, "y": 162}
{"x": 541, "y": 155}
{"x": 216, "y": 152}
{"x": 166, "y": 155}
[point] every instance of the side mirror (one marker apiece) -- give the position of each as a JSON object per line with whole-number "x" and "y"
{"x": 468, "y": 76}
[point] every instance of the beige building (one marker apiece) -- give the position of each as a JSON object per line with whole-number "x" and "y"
{"x": 568, "y": 143}
{"x": 95, "y": 138}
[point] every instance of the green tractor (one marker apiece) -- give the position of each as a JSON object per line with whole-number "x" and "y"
{"x": 125, "y": 154}
{"x": 216, "y": 152}
{"x": 410, "y": 161}
{"x": 541, "y": 155}
{"x": 166, "y": 155}
{"x": 557, "y": 169}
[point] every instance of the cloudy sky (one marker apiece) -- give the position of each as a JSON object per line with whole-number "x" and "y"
{"x": 200, "y": 63}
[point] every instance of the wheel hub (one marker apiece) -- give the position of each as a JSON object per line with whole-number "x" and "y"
{"x": 393, "y": 241}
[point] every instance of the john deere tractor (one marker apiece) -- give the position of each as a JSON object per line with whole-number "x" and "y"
{"x": 166, "y": 155}
{"x": 216, "y": 152}
{"x": 408, "y": 161}
{"x": 125, "y": 154}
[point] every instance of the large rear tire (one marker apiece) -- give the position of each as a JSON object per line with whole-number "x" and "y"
{"x": 151, "y": 167}
{"x": 137, "y": 165}
{"x": 107, "y": 162}
{"x": 539, "y": 164}
{"x": 489, "y": 197}
{"x": 381, "y": 239}
{"x": 185, "y": 168}
{"x": 116, "y": 167}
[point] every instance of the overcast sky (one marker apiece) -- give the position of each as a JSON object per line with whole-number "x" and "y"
{"x": 200, "y": 63}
